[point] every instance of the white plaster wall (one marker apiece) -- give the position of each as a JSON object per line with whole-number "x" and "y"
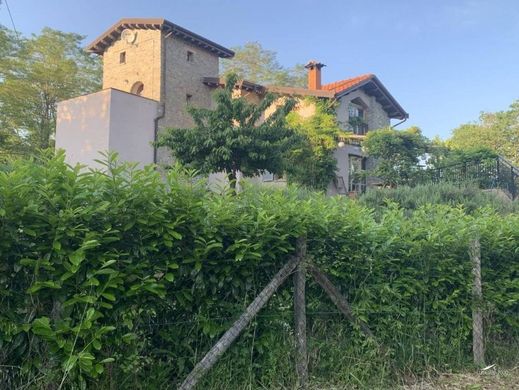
{"x": 108, "y": 120}
{"x": 83, "y": 127}
{"x": 132, "y": 127}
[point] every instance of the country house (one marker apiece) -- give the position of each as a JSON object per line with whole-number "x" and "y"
{"x": 153, "y": 69}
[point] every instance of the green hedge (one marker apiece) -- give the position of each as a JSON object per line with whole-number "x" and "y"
{"x": 125, "y": 278}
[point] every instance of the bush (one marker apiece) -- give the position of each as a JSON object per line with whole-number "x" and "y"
{"x": 467, "y": 195}
{"x": 120, "y": 278}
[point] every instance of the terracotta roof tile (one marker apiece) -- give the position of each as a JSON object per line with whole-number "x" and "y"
{"x": 342, "y": 85}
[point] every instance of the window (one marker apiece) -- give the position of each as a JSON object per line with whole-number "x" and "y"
{"x": 189, "y": 98}
{"x": 356, "y": 173}
{"x": 137, "y": 88}
{"x": 354, "y": 111}
{"x": 189, "y": 56}
{"x": 122, "y": 57}
{"x": 356, "y": 118}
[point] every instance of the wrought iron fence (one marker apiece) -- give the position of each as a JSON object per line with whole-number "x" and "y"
{"x": 490, "y": 173}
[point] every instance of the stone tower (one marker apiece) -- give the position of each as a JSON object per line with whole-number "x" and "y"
{"x": 160, "y": 60}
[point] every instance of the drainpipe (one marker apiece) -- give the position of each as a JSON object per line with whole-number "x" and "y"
{"x": 161, "y": 110}
{"x": 399, "y": 123}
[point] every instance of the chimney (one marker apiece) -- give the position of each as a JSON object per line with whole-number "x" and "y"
{"x": 314, "y": 74}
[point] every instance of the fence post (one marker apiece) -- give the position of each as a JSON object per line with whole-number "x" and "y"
{"x": 478, "y": 347}
{"x": 513, "y": 187}
{"x": 300, "y": 317}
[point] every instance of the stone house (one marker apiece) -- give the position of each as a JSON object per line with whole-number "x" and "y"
{"x": 153, "y": 69}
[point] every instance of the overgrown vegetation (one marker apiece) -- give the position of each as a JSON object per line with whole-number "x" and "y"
{"x": 467, "y": 195}
{"x": 311, "y": 162}
{"x": 120, "y": 279}
{"x": 254, "y": 63}
{"x": 497, "y": 131}
{"x": 231, "y": 138}
{"x": 397, "y": 154}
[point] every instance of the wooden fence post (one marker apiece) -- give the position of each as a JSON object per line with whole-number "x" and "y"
{"x": 300, "y": 318}
{"x": 478, "y": 347}
{"x": 239, "y": 325}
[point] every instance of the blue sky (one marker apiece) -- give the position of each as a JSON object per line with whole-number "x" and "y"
{"x": 444, "y": 61}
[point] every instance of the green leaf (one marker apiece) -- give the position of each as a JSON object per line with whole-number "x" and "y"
{"x": 41, "y": 327}
{"x": 109, "y": 296}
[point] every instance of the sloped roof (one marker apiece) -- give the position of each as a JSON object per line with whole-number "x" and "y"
{"x": 100, "y": 44}
{"x": 370, "y": 84}
{"x": 341, "y": 85}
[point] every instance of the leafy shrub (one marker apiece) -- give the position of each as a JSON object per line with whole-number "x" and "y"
{"x": 125, "y": 278}
{"x": 468, "y": 195}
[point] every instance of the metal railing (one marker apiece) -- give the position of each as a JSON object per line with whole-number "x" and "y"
{"x": 359, "y": 128}
{"x": 489, "y": 173}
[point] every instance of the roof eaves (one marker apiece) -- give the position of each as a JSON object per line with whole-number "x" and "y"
{"x": 400, "y": 113}
{"x": 99, "y": 45}
{"x": 198, "y": 39}
{"x": 215, "y": 82}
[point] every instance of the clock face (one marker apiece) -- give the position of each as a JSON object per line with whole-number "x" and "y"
{"x": 129, "y": 36}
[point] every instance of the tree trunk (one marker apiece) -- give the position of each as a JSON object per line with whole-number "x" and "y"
{"x": 231, "y": 176}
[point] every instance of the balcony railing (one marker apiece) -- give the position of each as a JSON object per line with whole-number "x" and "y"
{"x": 359, "y": 128}
{"x": 490, "y": 173}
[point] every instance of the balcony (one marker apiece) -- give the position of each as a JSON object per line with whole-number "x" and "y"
{"x": 358, "y": 126}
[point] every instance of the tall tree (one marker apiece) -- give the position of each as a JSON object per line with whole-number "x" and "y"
{"x": 397, "y": 153}
{"x": 233, "y": 137}
{"x": 39, "y": 72}
{"x": 311, "y": 163}
{"x": 497, "y": 131}
{"x": 254, "y": 63}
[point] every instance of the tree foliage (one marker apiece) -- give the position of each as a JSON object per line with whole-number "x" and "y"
{"x": 254, "y": 63}
{"x": 311, "y": 163}
{"x": 498, "y": 131}
{"x": 440, "y": 155}
{"x": 235, "y": 136}
{"x": 397, "y": 153}
{"x": 35, "y": 74}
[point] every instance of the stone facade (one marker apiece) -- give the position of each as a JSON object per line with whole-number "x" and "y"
{"x": 170, "y": 70}
{"x": 183, "y": 85}
{"x": 159, "y": 60}
{"x": 376, "y": 116}
{"x": 142, "y": 63}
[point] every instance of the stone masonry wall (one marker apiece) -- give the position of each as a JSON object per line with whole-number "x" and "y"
{"x": 183, "y": 77}
{"x": 376, "y": 116}
{"x": 143, "y": 63}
